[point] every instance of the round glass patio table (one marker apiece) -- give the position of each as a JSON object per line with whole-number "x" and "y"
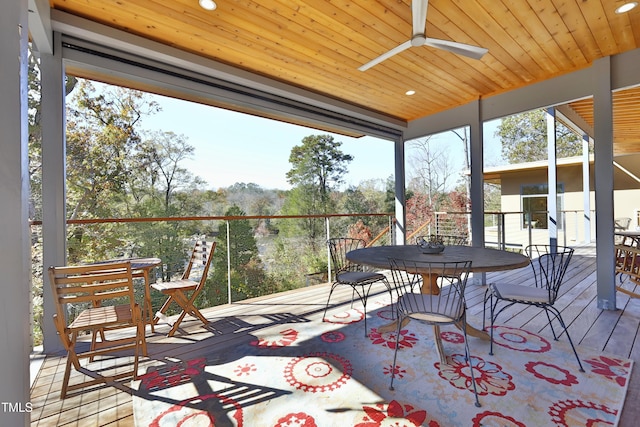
{"x": 482, "y": 260}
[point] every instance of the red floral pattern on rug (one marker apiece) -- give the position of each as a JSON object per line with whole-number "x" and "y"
{"x": 299, "y": 419}
{"x": 452, "y": 337}
{"x": 346, "y": 317}
{"x": 333, "y": 336}
{"x": 245, "y": 370}
{"x": 173, "y": 375}
{"x": 183, "y": 413}
{"x": 520, "y": 340}
{"x": 578, "y": 413}
{"x": 318, "y": 372}
{"x": 386, "y": 314}
{"x": 610, "y": 367}
{"x": 551, "y": 373}
{"x": 489, "y": 418}
{"x": 388, "y": 339}
{"x": 489, "y": 376}
{"x": 400, "y": 372}
{"x": 337, "y": 376}
{"x": 391, "y": 414}
{"x": 288, "y": 337}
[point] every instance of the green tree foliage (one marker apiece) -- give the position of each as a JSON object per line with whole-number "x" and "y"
{"x": 524, "y": 138}
{"x": 117, "y": 170}
{"x": 101, "y": 141}
{"x": 318, "y": 165}
{"x": 160, "y": 156}
{"x": 492, "y": 198}
{"x": 317, "y": 168}
{"x": 368, "y": 197}
{"x": 248, "y": 276}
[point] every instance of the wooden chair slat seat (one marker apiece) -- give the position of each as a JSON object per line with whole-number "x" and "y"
{"x": 103, "y": 297}
{"x": 628, "y": 267}
{"x": 184, "y": 291}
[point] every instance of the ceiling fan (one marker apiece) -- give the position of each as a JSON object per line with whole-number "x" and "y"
{"x": 419, "y": 38}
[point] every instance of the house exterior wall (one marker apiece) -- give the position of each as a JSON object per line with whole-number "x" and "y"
{"x": 571, "y": 226}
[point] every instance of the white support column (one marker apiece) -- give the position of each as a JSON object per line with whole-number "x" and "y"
{"x": 586, "y": 189}
{"x": 603, "y": 128}
{"x": 552, "y": 179}
{"x": 15, "y": 243}
{"x": 53, "y": 181}
{"x": 401, "y": 203}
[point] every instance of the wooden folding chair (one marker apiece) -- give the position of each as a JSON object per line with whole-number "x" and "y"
{"x": 103, "y": 298}
{"x": 185, "y": 290}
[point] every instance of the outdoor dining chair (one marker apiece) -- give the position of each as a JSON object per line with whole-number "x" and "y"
{"x": 351, "y": 274}
{"x": 97, "y": 300}
{"x": 446, "y": 239}
{"x": 448, "y": 307}
{"x": 621, "y": 224}
{"x": 185, "y": 290}
{"x": 628, "y": 267}
{"x": 549, "y": 265}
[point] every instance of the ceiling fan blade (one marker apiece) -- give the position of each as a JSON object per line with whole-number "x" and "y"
{"x": 419, "y": 15}
{"x": 404, "y": 46}
{"x": 467, "y": 50}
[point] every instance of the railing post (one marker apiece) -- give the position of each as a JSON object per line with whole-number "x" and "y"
{"x": 503, "y": 226}
{"x": 328, "y": 235}
{"x": 500, "y": 230}
{"x": 392, "y": 231}
{"x": 228, "y": 262}
{"x": 563, "y": 220}
{"x": 528, "y": 216}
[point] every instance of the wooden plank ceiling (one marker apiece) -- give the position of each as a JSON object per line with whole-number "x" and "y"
{"x": 319, "y": 45}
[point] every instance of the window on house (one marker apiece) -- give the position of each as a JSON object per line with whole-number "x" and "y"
{"x": 534, "y": 205}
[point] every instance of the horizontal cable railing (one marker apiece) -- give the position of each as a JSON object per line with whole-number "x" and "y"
{"x": 312, "y": 262}
{"x": 296, "y": 260}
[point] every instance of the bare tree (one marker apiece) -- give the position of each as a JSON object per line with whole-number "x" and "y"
{"x": 431, "y": 170}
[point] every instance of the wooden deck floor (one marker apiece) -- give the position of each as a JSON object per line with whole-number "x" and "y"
{"x": 615, "y": 332}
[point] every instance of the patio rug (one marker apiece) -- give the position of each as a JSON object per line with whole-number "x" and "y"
{"x": 329, "y": 374}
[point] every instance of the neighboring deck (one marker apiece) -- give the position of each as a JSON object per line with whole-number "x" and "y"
{"x": 612, "y": 331}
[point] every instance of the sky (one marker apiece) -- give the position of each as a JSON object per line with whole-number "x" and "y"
{"x": 232, "y": 147}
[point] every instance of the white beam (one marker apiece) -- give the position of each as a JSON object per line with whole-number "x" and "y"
{"x": 586, "y": 189}
{"x": 40, "y": 26}
{"x": 400, "y": 186}
{"x": 573, "y": 121}
{"x": 552, "y": 179}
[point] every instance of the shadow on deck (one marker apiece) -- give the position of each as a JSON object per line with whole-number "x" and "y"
{"x": 614, "y": 332}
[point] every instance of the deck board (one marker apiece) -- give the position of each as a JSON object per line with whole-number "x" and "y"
{"x": 616, "y": 332}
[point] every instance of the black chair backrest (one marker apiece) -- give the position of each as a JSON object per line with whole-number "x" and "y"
{"x": 446, "y": 239}
{"x": 451, "y": 278}
{"x": 339, "y": 247}
{"x": 549, "y": 264}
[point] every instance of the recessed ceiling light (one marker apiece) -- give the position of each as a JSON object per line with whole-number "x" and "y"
{"x": 627, "y": 7}
{"x": 207, "y": 4}
{"x": 410, "y": 92}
